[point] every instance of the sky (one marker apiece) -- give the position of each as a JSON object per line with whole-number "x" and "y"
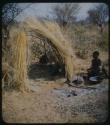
{"x": 45, "y": 9}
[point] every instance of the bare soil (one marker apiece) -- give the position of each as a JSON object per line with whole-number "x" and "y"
{"x": 52, "y": 101}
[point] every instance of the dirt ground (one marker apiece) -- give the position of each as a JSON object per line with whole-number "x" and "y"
{"x": 53, "y": 101}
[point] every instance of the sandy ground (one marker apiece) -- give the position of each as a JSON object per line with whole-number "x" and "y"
{"x": 52, "y": 102}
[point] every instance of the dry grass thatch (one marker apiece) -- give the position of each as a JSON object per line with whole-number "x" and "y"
{"x": 19, "y": 46}
{"x": 53, "y": 32}
{"x": 19, "y": 59}
{"x": 17, "y": 62}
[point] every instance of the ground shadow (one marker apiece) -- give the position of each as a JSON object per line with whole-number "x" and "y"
{"x": 84, "y": 79}
{"x": 44, "y": 71}
{"x": 37, "y": 71}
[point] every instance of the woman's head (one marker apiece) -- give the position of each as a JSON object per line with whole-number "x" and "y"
{"x": 95, "y": 54}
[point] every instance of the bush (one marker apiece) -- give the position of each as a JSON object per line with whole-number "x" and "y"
{"x": 105, "y": 41}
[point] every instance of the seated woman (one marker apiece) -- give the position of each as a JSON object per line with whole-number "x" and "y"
{"x": 95, "y": 66}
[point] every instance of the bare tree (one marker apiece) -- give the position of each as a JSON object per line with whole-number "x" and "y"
{"x": 66, "y": 12}
{"x": 9, "y": 12}
{"x": 99, "y": 14}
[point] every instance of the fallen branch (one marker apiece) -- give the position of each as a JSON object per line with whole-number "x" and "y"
{"x": 82, "y": 87}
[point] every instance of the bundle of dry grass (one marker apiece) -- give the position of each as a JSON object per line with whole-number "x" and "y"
{"x": 17, "y": 61}
{"x": 18, "y": 49}
{"x": 53, "y": 33}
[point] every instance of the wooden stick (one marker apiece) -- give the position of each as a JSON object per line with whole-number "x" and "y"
{"x": 82, "y": 87}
